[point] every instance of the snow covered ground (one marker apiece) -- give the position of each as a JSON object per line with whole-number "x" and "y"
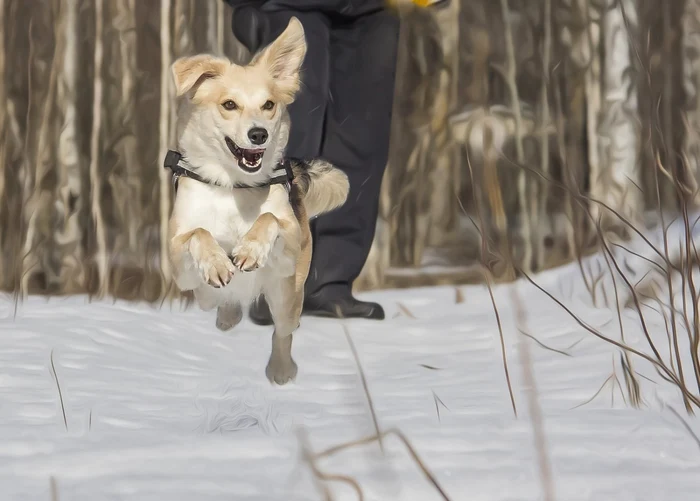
{"x": 159, "y": 405}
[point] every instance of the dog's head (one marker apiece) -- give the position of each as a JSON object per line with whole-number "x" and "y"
{"x": 234, "y": 117}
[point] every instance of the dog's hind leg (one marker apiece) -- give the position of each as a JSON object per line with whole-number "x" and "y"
{"x": 228, "y": 316}
{"x": 285, "y": 306}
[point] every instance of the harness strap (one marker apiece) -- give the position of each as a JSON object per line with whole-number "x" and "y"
{"x": 173, "y": 161}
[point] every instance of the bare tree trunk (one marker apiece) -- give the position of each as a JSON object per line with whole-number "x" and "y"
{"x": 164, "y": 137}
{"x": 36, "y": 259}
{"x": 220, "y": 26}
{"x": 101, "y": 255}
{"x": 132, "y": 162}
{"x": 3, "y": 121}
{"x": 575, "y": 27}
{"x": 69, "y": 202}
{"x": 691, "y": 84}
{"x": 619, "y": 133}
{"x": 660, "y": 102}
{"x": 443, "y": 173}
{"x": 540, "y": 197}
{"x": 13, "y": 140}
{"x": 215, "y": 24}
{"x": 122, "y": 167}
{"x": 593, "y": 91}
{"x": 511, "y": 72}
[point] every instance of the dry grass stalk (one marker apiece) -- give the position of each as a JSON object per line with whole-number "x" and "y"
{"x": 658, "y": 364}
{"x": 365, "y": 386}
{"x": 405, "y": 310}
{"x": 615, "y": 269}
{"x": 630, "y": 379}
{"x": 504, "y": 357}
{"x": 438, "y": 402}
{"x": 488, "y": 278}
{"x": 548, "y": 348}
{"x": 313, "y": 458}
{"x": 685, "y": 424}
{"x": 321, "y": 479}
{"x": 60, "y": 394}
{"x": 545, "y": 469}
{"x": 598, "y": 392}
{"x": 54, "y": 488}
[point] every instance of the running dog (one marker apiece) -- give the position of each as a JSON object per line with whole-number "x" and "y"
{"x": 240, "y": 221}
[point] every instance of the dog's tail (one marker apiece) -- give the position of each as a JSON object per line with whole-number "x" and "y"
{"x": 324, "y": 186}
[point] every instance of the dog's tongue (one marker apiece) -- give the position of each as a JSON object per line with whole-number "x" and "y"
{"x": 253, "y": 156}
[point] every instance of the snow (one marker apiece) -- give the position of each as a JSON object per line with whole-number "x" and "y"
{"x": 160, "y": 405}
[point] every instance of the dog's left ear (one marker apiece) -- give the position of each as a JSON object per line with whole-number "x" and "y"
{"x": 283, "y": 59}
{"x": 192, "y": 70}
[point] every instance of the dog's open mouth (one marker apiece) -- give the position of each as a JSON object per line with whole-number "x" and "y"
{"x": 248, "y": 160}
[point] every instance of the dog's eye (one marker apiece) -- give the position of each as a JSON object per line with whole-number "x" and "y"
{"x": 268, "y": 105}
{"x": 229, "y": 105}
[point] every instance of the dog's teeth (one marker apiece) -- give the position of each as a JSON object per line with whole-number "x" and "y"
{"x": 254, "y": 163}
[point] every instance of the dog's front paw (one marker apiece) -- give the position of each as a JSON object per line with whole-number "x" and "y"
{"x": 251, "y": 254}
{"x": 281, "y": 370}
{"x": 216, "y": 268}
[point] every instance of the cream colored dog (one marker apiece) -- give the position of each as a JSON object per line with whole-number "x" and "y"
{"x": 233, "y": 235}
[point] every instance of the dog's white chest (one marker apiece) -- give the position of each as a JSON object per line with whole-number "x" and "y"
{"x": 226, "y": 214}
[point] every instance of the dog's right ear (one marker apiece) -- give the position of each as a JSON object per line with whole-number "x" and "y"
{"x": 193, "y": 70}
{"x": 283, "y": 59}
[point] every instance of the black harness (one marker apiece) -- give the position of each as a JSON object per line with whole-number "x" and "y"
{"x": 173, "y": 161}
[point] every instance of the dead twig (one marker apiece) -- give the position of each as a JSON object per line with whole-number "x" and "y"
{"x": 60, "y": 394}
{"x": 375, "y": 421}
{"x": 405, "y": 310}
{"x": 561, "y": 352}
{"x": 398, "y": 434}
{"x": 607, "y": 380}
{"x": 438, "y": 401}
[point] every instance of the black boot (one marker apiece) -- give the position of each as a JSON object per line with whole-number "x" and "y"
{"x": 340, "y": 304}
{"x": 323, "y": 303}
{"x": 259, "y": 312}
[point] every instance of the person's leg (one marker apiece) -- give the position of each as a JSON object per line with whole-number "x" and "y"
{"x": 358, "y": 122}
{"x": 256, "y": 29}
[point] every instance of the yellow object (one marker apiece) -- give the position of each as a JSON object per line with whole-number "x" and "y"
{"x": 419, "y": 3}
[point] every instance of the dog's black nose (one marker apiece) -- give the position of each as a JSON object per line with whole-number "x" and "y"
{"x": 257, "y": 135}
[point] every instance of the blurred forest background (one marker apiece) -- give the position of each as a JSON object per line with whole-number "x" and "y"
{"x": 518, "y": 123}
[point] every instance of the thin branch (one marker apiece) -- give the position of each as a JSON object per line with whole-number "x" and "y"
{"x": 544, "y": 345}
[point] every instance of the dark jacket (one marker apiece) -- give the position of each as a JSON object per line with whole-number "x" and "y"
{"x": 349, "y": 8}
{"x": 253, "y": 27}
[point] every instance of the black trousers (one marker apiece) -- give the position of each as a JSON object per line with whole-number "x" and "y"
{"x": 343, "y": 115}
